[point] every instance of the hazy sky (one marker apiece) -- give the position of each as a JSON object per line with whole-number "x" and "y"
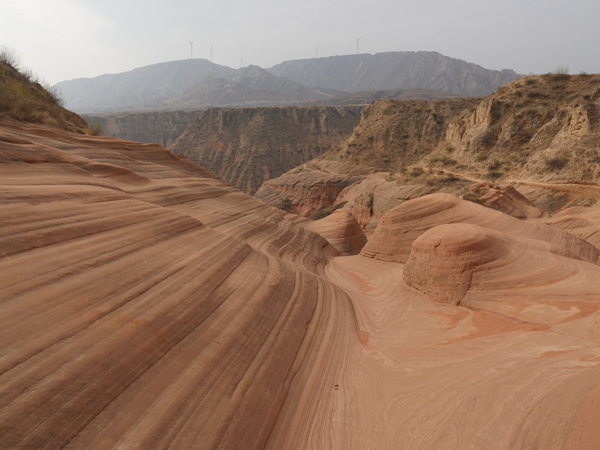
{"x": 66, "y": 39}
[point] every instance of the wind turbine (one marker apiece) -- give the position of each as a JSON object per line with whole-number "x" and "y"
{"x": 242, "y": 62}
{"x": 192, "y": 49}
{"x": 317, "y": 51}
{"x": 211, "y": 53}
{"x": 358, "y": 39}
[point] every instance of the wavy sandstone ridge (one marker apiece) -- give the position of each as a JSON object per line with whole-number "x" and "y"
{"x": 146, "y": 304}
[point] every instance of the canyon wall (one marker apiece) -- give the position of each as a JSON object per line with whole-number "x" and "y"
{"x": 160, "y": 127}
{"x": 246, "y": 146}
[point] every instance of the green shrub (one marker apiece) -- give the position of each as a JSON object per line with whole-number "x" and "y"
{"x": 493, "y": 175}
{"x": 444, "y": 159}
{"x": 556, "y": 163}
{"x": 96, "y": 128}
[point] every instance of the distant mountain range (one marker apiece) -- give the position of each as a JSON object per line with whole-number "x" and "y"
{"x": 198, "y": 83}
{"x": 395, "y": 70}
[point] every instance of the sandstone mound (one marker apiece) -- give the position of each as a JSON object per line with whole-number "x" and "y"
{"x": 145, "y": 303}
{"x": 579, "y": 221}
{"x": 508, "y": 200}
{"x": 311, "y": 187}
{"x": 372, "y": 197}
{"x": 341, "y": 230}
{"x": 448, "y": 261}
{"x": 399, "y": 228}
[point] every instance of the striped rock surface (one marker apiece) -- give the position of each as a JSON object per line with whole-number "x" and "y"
{"x": 146, "y": 304}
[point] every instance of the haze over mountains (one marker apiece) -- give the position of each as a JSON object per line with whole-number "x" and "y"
{"x": 395, "y": 70}
{"x": 198, "y": 83}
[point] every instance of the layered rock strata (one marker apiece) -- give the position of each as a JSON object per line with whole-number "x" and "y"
{"x": 402, "y": 225}
{"x": 341, "y": 230}
{"x": 144, "y": 303}
{"x": 311, "y": 187}
{"x": 247, "y": 146}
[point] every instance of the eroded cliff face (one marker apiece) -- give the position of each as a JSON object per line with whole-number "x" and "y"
{"x": 393, "y": 134}
{"x": 161, "y": 127}
{"x": 542, "y": 128}
{"x": 247, "y": 146}
{"x": 539, "y": 134}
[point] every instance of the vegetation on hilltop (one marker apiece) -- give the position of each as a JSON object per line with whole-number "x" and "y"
{"x": 24, "y": 98}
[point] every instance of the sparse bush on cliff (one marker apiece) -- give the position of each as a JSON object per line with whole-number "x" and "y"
{"x": 96, "y": 128}
{"x": 494, "y": 175}
{"x": 23, "y": 97}
{"x": 284, "y": 204}
{"x": 556, "y": 163}
{"x": 10, "y": 56}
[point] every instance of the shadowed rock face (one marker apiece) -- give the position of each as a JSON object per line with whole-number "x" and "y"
{"x": 145, "y": 303}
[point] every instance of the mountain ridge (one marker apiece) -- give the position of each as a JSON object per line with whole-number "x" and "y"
{"x": 163, "y": 85}
{"x": 395, "y": 70}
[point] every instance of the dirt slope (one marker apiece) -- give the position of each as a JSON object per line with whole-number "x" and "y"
{"x": 24, "y": 99}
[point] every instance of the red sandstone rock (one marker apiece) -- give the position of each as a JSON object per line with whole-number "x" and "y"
{"x": 508, "y": 200}
{"x": 399, "y": 228}
{"x": 144, "y": 303}
{"x": 341, "y": 230}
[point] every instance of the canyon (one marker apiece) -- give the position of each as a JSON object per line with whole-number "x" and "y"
{"x": 538, "y": 135}
{"x": 147, "y": 303}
